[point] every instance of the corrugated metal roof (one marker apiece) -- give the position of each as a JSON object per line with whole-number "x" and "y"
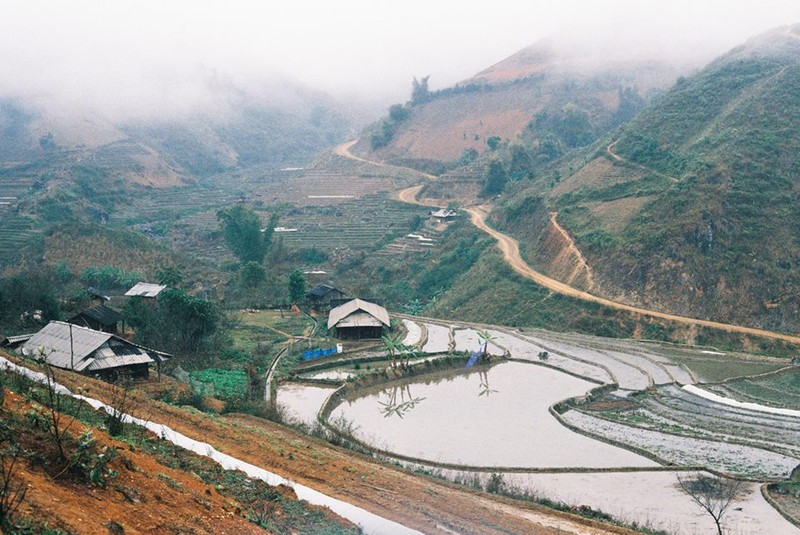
{"x": 101, "y": 314}
{"x": 12, "y": 341}
{"x": 145, "y": 289}
{"x": 343, "y": 311}
{"x": 116, "y": 362}
{"x": 442, "y": 212}
{"x": 89, "y": 349}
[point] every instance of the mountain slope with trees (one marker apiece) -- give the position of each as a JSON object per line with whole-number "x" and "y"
{"x": 556, "y": 100}
{"x": 692, "y": 206}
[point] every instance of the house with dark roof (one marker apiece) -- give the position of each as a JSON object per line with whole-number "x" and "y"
{"x": 358, "y": 319}
{"x": 105, "y": 355}
{"x": 320, "y": 297}
{"x": 99, "y": 318}
{"x": 97, "y": 297}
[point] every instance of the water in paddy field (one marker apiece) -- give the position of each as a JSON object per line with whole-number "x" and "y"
{"x": 497, "y": 416}
{"x": 653, "y": 499}
{"x": 302, "y": 402}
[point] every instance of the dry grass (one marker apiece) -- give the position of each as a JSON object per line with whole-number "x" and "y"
{"x": 615, "y": 215}
{"x": 599, "y": 172}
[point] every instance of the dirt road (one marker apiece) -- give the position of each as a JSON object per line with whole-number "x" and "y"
{"x": 510, "y": 249}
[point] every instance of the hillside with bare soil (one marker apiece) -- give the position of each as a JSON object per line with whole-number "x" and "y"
{"x": 422, "y": 503}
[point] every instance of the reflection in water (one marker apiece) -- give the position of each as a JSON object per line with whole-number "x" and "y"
{"x": 484, "y": 389}
{"x": 514, "y": 426}
{"x": 394, "y": 407}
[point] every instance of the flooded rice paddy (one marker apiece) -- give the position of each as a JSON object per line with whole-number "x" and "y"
{"x": 495, "y": 417}
{"x": 302, "y": 402}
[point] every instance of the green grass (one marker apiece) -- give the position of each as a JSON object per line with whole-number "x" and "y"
{"x": 781, "y": 390}
{"x": 228, "y": 384}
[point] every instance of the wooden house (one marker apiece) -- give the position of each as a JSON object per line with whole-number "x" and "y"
{"x": 99, "y": 318}
{"x": 96, "y": 353}
{"x": 320, "y": 297}
{"x": 358, "y": 319}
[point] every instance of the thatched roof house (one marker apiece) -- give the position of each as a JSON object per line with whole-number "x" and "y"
{"x": 91, "y": 352}
{"x": 358, "y": 319}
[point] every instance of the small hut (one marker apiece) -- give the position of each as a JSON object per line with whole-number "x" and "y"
{"x": 443, "y": 214}
{"x": 320, "y": 297}
{"x": 358, "y": 319}
{"x": 84, "y": 350}
{"x": 99, "y": 318}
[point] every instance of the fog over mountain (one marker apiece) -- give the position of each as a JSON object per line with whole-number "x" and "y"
{"x": 139, "y": 59}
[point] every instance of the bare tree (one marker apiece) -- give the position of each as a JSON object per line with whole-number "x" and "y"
{"x": 713, "y": 494}
{"x": 62, "y": 411}
{"x": 12, "y": 493}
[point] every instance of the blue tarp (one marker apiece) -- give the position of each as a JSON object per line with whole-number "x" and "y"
{"x": 473, "y": 358}
{"x": 317, "y": 353}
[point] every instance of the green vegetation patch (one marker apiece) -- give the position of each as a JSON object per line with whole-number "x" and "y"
{"x": 780, "y": 390}
{"x": 228, "y": 384}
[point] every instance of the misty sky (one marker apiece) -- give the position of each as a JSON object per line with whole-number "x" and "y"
{"x": 123, "y": 56}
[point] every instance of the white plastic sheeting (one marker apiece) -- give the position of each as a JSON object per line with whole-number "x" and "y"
{"x": 369, "y": 522}
{"x": 716, "y": 398}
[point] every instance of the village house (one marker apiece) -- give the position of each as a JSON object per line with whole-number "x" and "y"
{"x": 90, "y": 352}
{"x": 320, "y": 297}
{"x": 443, "y": 214}
{"x": 99, "y": 318}
{"x": 358, "y": 319}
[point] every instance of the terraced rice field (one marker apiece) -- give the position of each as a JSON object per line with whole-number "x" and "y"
{"x": 328, "y": 209}
{"x": 645, "y": 411}
{"x": 780, "y": 389}
{"x": 15, "y": 232}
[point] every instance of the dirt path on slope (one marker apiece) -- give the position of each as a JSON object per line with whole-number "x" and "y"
{"x": 510, "y": 250}
{"x": 344, "y": 151}
{"x": 582, "y": 264}
{"x": 617, "y": 158}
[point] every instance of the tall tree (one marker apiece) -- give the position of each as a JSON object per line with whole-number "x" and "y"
{"x": 241, "y": 227}
{"x": 178, "y": 323}
{"x": 419, "y": 91}
{"x": 297, "y": 286}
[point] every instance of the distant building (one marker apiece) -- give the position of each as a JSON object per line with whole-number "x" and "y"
{"x": 97, "y": 297}
{"x": 321, "y": 296}
{"x": 99, "y": 318}
{"x": 84, "y": 350}
{"x": 145, "y": 289}
{"x": 443, "y": 214}
{"x": 358, "y": 319}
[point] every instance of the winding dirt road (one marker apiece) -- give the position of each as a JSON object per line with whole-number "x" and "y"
{"x": 510, "y": 250}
